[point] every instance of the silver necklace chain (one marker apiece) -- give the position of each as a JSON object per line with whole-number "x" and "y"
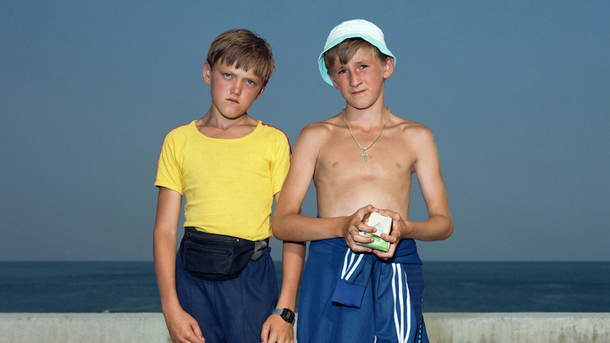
{"x": 364, "y": 154}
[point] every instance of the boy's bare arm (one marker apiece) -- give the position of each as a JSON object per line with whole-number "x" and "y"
{"x": 427, "y": 168}
{"x": 275, "y": 328}
{"x": 439, "y": 224}
{"x": 182, "y": 327}
{"x": 288, "y": 223}
{"x": 293, "y": 259}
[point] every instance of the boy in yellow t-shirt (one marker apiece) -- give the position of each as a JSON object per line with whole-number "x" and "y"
{"x": 221, "y": 286}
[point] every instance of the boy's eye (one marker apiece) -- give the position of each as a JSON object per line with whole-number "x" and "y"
{"x": 251, "y": 83}
{"x": 227, "y": 75}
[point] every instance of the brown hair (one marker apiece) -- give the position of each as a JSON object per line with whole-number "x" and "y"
{"x": 244, "y": 49}
{"x": 347, "y": 49}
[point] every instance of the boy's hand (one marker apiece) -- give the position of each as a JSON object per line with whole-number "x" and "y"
{"x": 399, "y": 230}
{"x": 277, "y": 330}
{"x": 183, "y": 328}
{"x": 354, "y": 225}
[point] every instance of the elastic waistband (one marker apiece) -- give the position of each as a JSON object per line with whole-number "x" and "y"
{"x": 406, "y": 251}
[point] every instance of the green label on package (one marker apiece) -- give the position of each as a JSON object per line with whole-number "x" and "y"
{"x": 377, "y": 244}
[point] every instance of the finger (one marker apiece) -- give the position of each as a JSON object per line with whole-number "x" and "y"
{"x": 191, "y": 337}
{"x": 389, "y": 238}
{"x": 358, "y": 238}
{"x": 383, "y": 211}
{"x": 394, "y": 215}
{"x": 365, "y": 228}
{"x": 361, "y": 249}
{"x": 364, "y": 211}
{"x": 197, "y": 331}
{"x": 272, "y": 337}
{"x": 383, "y": 255}
{"x": 367, "y": 208}
{"x": 353, "y": 236}
{"x": 351, "y": 233}
{"x": 386, "y": 254}
{"x": 355, "y": 247}
{"x": 265, "y": 333}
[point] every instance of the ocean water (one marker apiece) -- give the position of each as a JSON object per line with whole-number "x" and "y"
{"x": 450, "y": 287}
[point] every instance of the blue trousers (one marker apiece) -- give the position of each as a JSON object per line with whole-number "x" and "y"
{"x": 231, "y": 311}
{"x": 384, "y": 303}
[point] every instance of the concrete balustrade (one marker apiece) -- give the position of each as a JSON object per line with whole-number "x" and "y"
{"x": 442, "y": 327}
{"x": 518, "y": 327}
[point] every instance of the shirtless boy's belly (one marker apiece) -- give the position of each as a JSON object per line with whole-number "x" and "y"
{"x": 345, "y": 182}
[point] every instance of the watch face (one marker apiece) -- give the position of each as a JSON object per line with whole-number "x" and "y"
{"x": 285, "y": 313}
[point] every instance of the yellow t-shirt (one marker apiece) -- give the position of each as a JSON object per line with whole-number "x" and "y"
{"x": 228, "y": 184}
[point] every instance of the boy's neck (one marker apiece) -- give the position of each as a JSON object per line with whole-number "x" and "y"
{"x": 215, "y": 125}
{"x": 373, "y": 116}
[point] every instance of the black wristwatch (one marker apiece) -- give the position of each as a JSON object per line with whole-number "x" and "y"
{"x": 286, "y": 314}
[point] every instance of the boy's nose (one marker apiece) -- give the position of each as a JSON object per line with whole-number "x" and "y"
{"x": 236, "y": 88}
{"x": 354, "y": 79}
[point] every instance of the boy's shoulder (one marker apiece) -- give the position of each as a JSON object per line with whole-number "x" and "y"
{"x": 180, "y": 133}
{"x": 407, "y": 125}
{"x": 271, "y": 129}
{"x": 325, "y": 126}
{"x": 317, "y": 133}
{"x": 181, "y": 130}
{"x": 410, "y": 132}
{"x": 273, "y": 132}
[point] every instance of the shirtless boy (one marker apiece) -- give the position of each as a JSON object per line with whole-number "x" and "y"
{"x": 361, "y": 161}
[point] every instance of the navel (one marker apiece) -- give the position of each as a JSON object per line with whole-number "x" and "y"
{"x": 398, "y": 166}
{"x": 335, "y": 165}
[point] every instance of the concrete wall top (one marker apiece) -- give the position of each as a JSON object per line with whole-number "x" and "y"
{"x": 442, "y": 327}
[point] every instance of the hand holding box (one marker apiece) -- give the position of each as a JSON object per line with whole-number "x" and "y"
{"x": 383, "y": 224}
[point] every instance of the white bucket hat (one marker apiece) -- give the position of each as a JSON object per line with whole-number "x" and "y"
{"x": 357, "y": 28}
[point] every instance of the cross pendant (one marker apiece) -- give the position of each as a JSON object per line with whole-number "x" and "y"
{"x": 364, "y": 154}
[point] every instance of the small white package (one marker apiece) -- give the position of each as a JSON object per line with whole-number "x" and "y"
{"x": 383, "y": 225}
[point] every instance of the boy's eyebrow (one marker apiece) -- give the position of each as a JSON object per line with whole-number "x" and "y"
{"x": 225, "y": 66}
{"x": 341, "y": 65}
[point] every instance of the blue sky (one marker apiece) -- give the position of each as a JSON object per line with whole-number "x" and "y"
{"x": 517, "y": 94}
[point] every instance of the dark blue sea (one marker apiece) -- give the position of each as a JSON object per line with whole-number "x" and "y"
{"x": 450, "y": 287}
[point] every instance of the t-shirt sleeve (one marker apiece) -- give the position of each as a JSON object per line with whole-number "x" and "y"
{"x": 280, "y": 163}
{"x": 169, "y": 170}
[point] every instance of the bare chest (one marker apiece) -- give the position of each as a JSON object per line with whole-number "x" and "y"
{"x": 389, "y": 160}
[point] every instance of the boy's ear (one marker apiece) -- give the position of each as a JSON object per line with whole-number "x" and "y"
{"x": 207, "y": 72}
{"x": 260, "y": 92}
{"x": 388, "y": 68}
